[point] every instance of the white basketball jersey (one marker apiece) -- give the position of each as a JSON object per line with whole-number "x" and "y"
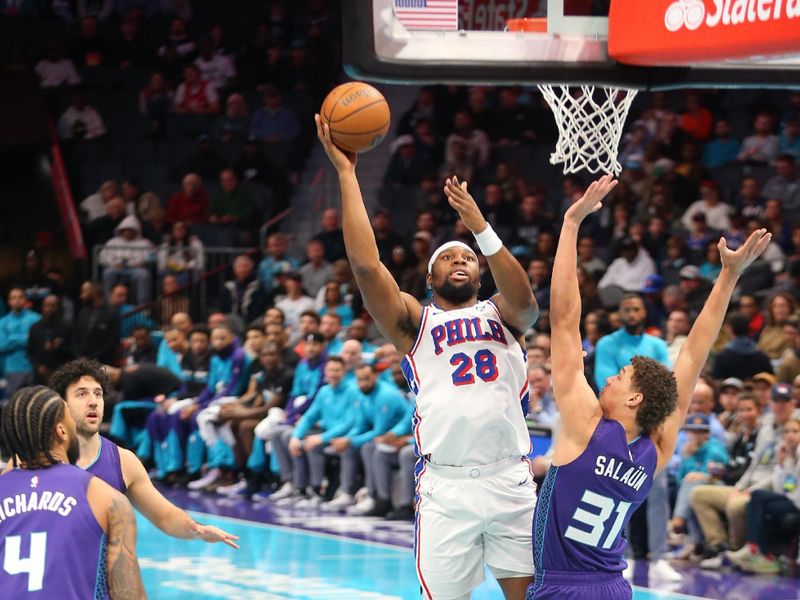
{"x": 468, "y": 374}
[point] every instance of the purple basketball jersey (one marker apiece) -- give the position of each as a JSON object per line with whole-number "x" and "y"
{"x": 51, "y": 545}
{"x": 584, "y": 506}
{"x": 106, "y": 465}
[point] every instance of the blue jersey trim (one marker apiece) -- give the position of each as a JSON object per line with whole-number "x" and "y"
{"x": 96, "y": 458}
{"x": 101, "y": 580}
{"x": 542, "y": 514}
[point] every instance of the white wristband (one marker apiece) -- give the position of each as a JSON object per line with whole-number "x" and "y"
{"x": 488, "y": 241}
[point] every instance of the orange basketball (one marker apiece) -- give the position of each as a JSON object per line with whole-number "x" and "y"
{"x": 357, "y": 114}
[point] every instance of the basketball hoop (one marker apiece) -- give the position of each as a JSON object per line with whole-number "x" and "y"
{"x": 590, "y": 121}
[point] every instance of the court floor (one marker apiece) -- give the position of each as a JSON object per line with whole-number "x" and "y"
{"x": 293, "y": 554}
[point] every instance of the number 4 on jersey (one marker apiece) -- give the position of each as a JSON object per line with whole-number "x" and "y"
{"x": 597, "y": 521}
{"x": 33, "y": 565}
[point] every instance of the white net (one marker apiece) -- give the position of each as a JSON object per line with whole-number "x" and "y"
{"x": 590, "y": 124}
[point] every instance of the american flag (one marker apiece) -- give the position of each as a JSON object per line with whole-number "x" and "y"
{"x": 435, "y": 15}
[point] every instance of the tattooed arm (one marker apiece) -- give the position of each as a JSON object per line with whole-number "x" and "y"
{"x": 116, "y": 517}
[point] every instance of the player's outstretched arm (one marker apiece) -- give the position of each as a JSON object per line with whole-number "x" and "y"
{"x": 161, "y": 512}
{"x": 695, "y": 349}
{"x": 115, "y": 515}
{"x": 515, "y": 300}
{"x": 396, "y": 313}
{"x": 575, "y": 399}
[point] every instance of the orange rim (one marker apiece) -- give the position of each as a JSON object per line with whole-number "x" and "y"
{"x": 527, "y": 25}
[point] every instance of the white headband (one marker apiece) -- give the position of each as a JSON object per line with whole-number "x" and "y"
{"x": 446, "y": 246}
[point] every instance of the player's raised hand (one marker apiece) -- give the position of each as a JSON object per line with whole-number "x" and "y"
{"x": 592, "y": 199}
{"x": 213, "y": 535}
{"x": 742, "y": 258}
{"x": 342, "y": 161}
{"x": 461, "y": 200}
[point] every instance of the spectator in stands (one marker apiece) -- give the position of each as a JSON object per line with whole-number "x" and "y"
{"x": 710, "y": 502}
{"x": 231, "y": 210}
{"x": 386, "y": 237}
{"x": 785, "y": 186}
{"x": 741, "y": 357}
{"x": 181, "y": 254}
{"x": 712, "y": 265}
{"x": 128, "y": 257}
{"x": 539, "y": 276}
{"x": 143, "y": 350}
{"x": 14, "y": 332}
{"x": 762, "y": 146}
{"x": 695, "y": 288}
{"x": 233, "y": 125}
{"x": 762, "y": 386}
{"x": 789, "y": 142}
{"x": 216, "y": 68}
{"x": 696, "y": 119}
{"x": 80, "y": 121}
{"x": 274, "y": 123}
{"x": 750, "y": 201}
{"x": 94, "y": 206}
{"x": 723, "y": 149}
{"x": 191, "y": 203}
{"x": 275, "y": 262}
{"x": 55, "y": 70}
{"x": 276, "y": 334}
{"x": 677, "y": 328}
{"x": 476, "y": 140}
{"x": 171, "y": 301}
{"x": 530, "y": 219}
{"x": 155, "y": 102}
{"x": 316, "y": 271}
{"x": 331, "y": 236}
{"x": 767, "y": 508}
{"x": 48, "y": 341}
{"x": 129, "y": 49}
{"x": 309, "y": 323}
{"x": 295, "y": 302}
{"x": 710, "y": 204}
{"x": 772, "y": 340}
{"x": 178, "y": 40}
{"x": 195, "y": 96}
{"x": 118, "y": 300}
{"x": 629, "y": 271}
{"x": 749, "y": 307}
{"x": 335, "y": 303}
{"x": 542, "y": 407}
{"x": 789, "y": 367}
{"x": 405, "y": 168}
{"x": 96, "y": 331}
{"x": 587, "y": 259}
{"x": 243, "y": 295}
{"x": 89, "y": 49}
{"x": 330, "y": 326}
{"x": 269, "y": 67}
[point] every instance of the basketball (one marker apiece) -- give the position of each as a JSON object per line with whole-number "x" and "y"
{"x": 358, "y": 116}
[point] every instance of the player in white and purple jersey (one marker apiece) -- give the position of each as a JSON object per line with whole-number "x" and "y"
{"x": 63, "y": 532}
{"x": 464, "y": 362}
{"x": 608, "y": 452}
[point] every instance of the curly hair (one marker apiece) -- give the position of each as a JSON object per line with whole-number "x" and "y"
{"x": 71, "y": 372}
{"x": 659, "y": 388}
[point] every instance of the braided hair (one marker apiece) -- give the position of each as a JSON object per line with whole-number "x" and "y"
{"x": 28, "y": 423}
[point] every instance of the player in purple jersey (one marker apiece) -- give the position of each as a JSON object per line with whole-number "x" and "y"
{"x": 608, "y": 452}
{"x": 82, "y": 383}
{"x": 52, "y": 512}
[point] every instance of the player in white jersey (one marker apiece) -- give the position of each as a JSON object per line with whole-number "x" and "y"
{"x": 465, "y": 363}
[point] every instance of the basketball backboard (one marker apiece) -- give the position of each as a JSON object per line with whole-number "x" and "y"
{"x": 384, "y": 41}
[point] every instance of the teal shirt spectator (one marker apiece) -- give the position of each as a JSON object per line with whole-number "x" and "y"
{"x": 169, "y": 359}
{"x": 308, "y": 379}
{"x": 227, "y": 374}
{"x": 709, "y": 271}
{"x": 332, "y": 411}
{"x": 344, "y": 311}
{"x": 270, "y": 267}
{"x": 616, "y": 350}
{"x": 719, "y": 152}
{"x": 711, "y": 451}
{"x": 376, "y": 413}
{"x": 14, "y": 329}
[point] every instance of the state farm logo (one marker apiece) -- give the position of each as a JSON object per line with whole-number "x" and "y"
{"x": 692, "y": 13}
{"x": 685, "y": 13}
